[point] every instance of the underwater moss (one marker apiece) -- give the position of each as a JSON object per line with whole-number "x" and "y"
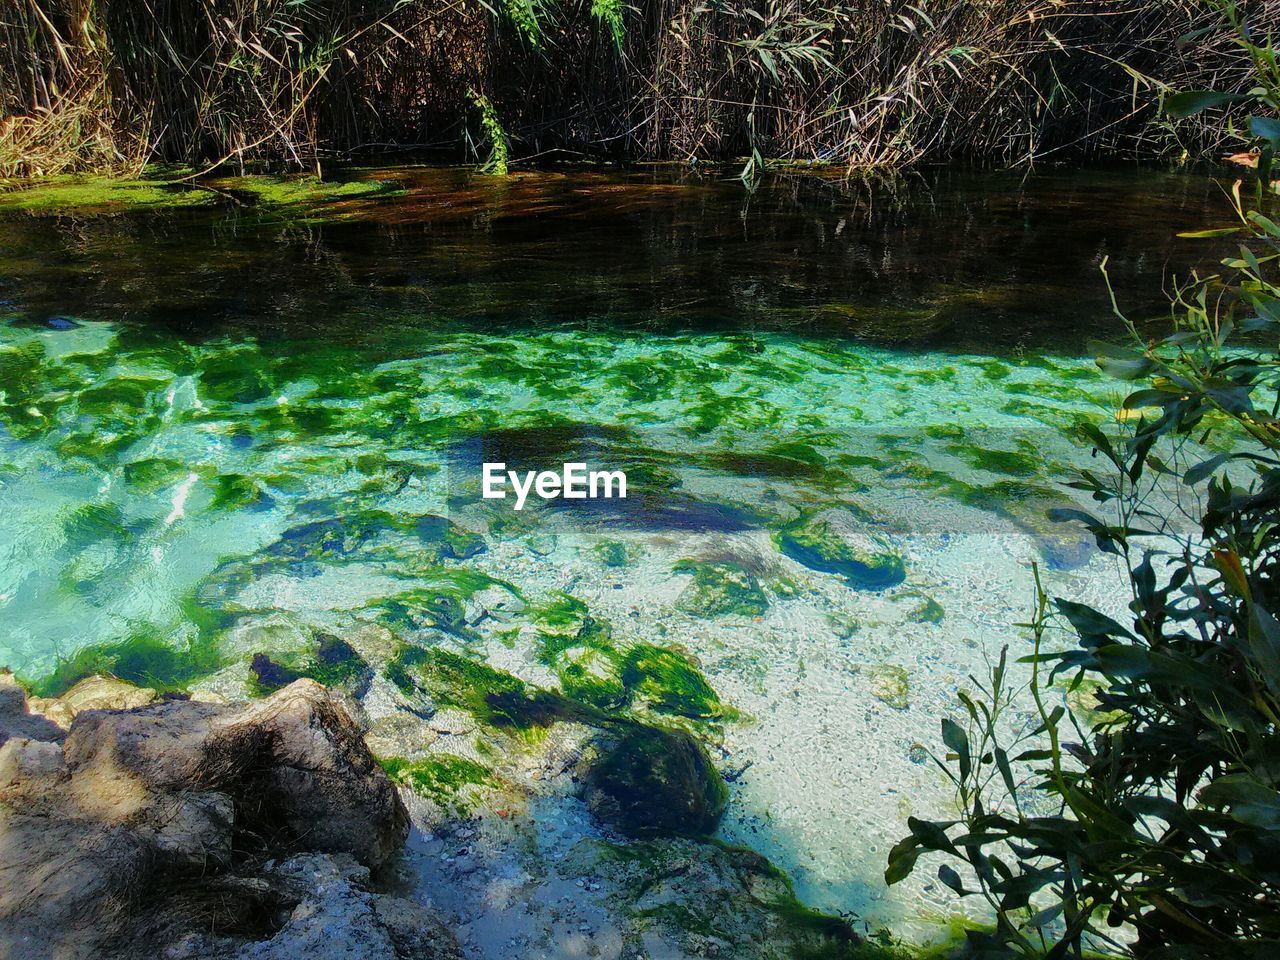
{"x": 669, "y": 682}
{"x": 612, "y": 553}
{"x": 232, "y": 491}
{"x": 332, "y": 663}
{"x": 119, "y": 397}
{"x": 928, "y": 610}
{"x": 720, "y": 589}
{"x": 300, "y": 197}
{"x": 142, "y": 659}
{"x": 454, "y": 542}
{"x": 236, "y": 376}
{"x": 1006, "y": 462}
{"x": 156, "y": 473}
{"x": 491, "y": 696}
{"x": 441, "y": 778}
{"x": 656, "y": 781}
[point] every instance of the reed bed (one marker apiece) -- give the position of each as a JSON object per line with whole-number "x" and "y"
{"x": 115, "y": 84}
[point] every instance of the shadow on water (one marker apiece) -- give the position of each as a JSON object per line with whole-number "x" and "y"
{"x": 980, "y": 261}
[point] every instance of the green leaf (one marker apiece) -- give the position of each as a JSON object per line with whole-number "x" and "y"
{"x": 902, "y": 860}
{"x": 1252, "y": 802}
{"x": 1264, "y": 645}
{"x": 1208, "y": 234}
{"x": 1204, "y": 469}
{"x": 952, "y": 879}
{"x": 1266, "y": 128}
{"x": 1190, "y": 102}
{"x": 958, "y": 742}
{"x": 1089, "y": 622}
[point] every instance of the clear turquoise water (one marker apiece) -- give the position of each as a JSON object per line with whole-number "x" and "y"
{"x": 225, "y": 461}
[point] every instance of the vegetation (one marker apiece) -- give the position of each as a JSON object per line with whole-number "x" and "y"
{"x": 108, "y": 85}
{"x": 1150, "y": 824}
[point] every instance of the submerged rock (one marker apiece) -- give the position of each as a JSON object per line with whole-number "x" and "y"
{"x": 831, "y": 542}
{"x": 330, "y": 914}
{"x": 720, "y": 589}
{"x": 141, "y": 817}
{"x": 889, "y": 685}
{"x": 649, "y": 780}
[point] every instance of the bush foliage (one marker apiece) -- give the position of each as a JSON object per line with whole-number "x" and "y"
{"x": 1152, "y": 826}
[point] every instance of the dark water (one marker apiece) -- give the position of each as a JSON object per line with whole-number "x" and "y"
{"x": 978, "y": 261}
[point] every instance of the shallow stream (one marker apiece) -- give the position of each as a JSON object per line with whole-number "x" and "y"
{"x": 223, "y": 430}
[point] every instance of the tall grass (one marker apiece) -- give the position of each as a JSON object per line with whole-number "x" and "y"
{"x": 289, "y": 83}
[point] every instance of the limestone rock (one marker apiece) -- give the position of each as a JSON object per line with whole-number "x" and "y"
{"x": 93, "y": 693}
{"x": 15, "y": 718}
{"x": 135, "y": 808}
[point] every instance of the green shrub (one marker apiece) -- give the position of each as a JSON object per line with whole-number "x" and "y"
{"x": 1158, "y": 812}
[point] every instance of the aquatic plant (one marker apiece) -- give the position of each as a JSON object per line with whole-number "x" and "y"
{"x": 653, "y": 780}
{"x": 442, "y": 778}
{"x": 143, "y": 659}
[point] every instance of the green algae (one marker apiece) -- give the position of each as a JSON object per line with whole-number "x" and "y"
{"x": 669, "y": 681}
{"x": 441, "y": 778}
{"x": 614, "y": 553}
{"x": 1007, "y": 462}
{"x": 332, "y": 663}
{"x": 657, "y": 781}
{"x": 491, "y": 696}
{"x": 721, "y": 589}
{"x": 143, "y": 659}
{"x": 154, "y": 473}
{"x": 301, "y": 197}
{"x": 928, "y": 610}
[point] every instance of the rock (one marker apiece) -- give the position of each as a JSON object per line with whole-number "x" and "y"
{"x": 337, "y": 918}
{"x": 700, "y": 900}
{"x": 719, "y": 589}
{"x": 15, "y": 719}
{"x": 92, "y": 693}
{"x": 496, "y": 602}
{"x": 332, "y": 790}
{"x": 833, "y": 542}
{"x": 542, "y": 544}
{"x": 648, "y": 780}
{"x": 928, "y": 611}
{"x": 889, "y": 685}
{"x": 99, "y": 829}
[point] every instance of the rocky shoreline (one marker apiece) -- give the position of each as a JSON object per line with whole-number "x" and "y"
{"x": 140, "y": 825}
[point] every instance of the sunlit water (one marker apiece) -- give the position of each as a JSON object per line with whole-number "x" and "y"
{"x": 230, "y": 423}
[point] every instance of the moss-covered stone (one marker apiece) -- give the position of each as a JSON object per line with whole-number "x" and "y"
{"x": 442, "y": 778}
{"x": 330, "y": 661}
{"x": 493, "y": 697}
{"x": 721, "y": 589}
{"x": 927, "y": 610}
{"x": 668, "y": 681}
{"x": 613, "y": 553}
{"x": 866, "y": 561}
{"x": 142, "y": 659}
{"x": 890, "y": 685}
{"x": 655, "y": 781}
